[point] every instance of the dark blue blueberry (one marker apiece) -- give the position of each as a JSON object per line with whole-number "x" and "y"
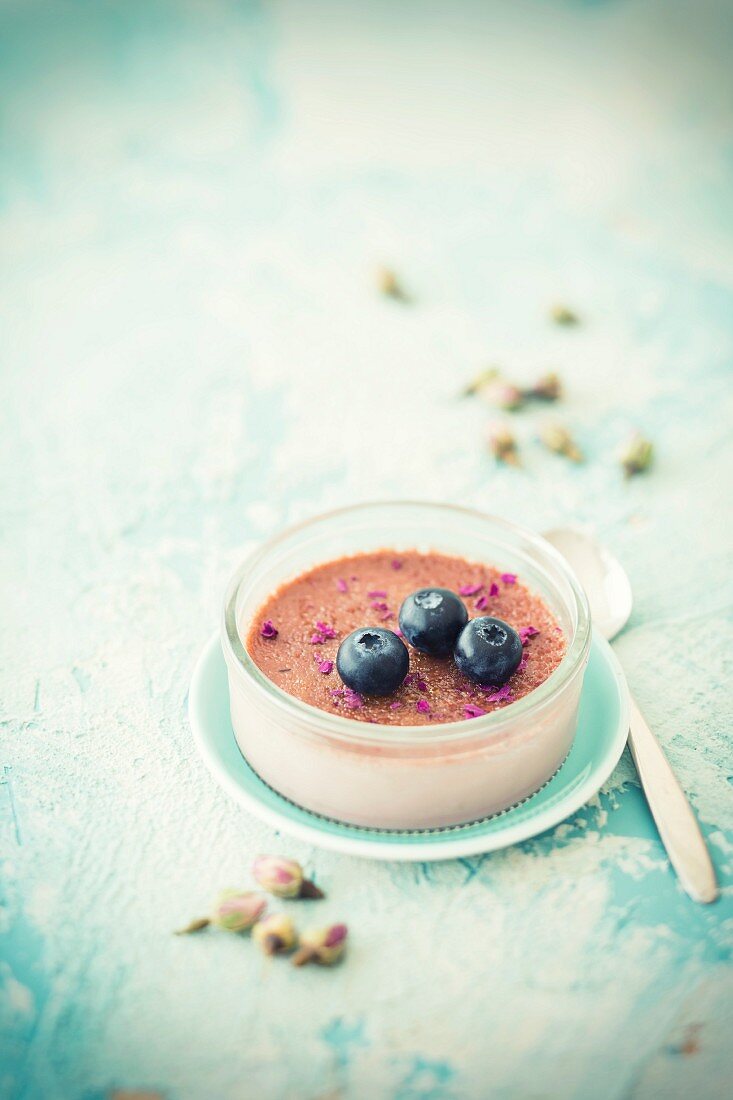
{"x": 431, "y": 619}
{"x": 488, "y": 651}
{"x": 372, "y": 661}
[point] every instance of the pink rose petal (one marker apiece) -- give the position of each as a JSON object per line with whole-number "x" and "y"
{"x": 470, "y": 589}
{"x": 423, "y": 706}
{"x": 472, "y": 711}
{"x": 509, "y": 578}
{"x": 376, "y": 593}
{"x": 342, "y": 585}
{"x": 322, "y": 633}
{"x": 325, "y": 666}
{"x": 481, "y": 603}
{"x": 494, "y": 590}
{"x": 503, "y": 695}
{"x": 396, "y": 563}
{"x": 267, "y": 630}
{"x": 528, "y": 632}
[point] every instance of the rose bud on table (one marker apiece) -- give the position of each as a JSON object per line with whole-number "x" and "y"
{"x": 284, "y": 878}
{"x": 234, "y": 911}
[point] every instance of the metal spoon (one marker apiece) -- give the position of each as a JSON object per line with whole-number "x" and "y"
{"x": 609, "y": 595}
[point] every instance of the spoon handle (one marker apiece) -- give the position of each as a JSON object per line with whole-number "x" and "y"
{"x": 672, "y": 812}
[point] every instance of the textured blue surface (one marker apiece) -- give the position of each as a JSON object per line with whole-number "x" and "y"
{"x": 194, "y": 198}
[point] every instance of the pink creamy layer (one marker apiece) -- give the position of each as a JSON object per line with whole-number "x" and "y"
{"x": 367, "y": 590}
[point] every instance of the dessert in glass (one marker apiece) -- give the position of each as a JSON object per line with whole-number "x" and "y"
{"x": 336, "y": 604}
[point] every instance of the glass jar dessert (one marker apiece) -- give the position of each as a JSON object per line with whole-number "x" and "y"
{"x": 438, "y": 749}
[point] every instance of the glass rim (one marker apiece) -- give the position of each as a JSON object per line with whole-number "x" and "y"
{"x": 467, "y": 730}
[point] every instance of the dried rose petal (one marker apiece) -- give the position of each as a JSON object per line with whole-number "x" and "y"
{"x": 268, "y": 630}
{"x": 395, "y": 706}
{"x": 396, "y": 563}
{"x": 494, "y": 590}
{"x": 322, "y": 633}
{"x": 527, "y": 632}
{"x": 353, "y": 699}
{"x": 503, "y": 695}
{"x": 324, "y": 666}
{"x": 472, "y": 711}
{"x": 469, "y": 589}
{"x": 421, "y": 685}
{"x": 342, "y": 585}
{"x": 423, "y": 706}
{"x": 380, "y": 605}
{"x": 481, "y": 603}
{"x": 509, "y": 578}
{"x": 376, "y": 593}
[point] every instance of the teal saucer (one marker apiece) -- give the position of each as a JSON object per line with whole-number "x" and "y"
{"x": 602, "y": 730}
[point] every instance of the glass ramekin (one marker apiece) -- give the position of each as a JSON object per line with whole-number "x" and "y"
{"x": 405, "y": 777}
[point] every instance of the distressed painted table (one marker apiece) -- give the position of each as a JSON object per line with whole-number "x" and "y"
{"x": 194, "y": 200}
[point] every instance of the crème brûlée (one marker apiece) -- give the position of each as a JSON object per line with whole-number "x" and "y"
{"x": 295, "y": 635}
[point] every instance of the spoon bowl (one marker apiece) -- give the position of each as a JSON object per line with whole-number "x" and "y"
{"x": 601, "y": 574}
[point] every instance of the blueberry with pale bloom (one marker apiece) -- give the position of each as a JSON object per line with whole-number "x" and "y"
{"x": 372, "y": 661}
{"x": 488, "y": 651}
{"x": 431, "y": 619}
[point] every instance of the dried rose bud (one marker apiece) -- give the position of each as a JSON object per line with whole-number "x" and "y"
{"x": 275, "y": 934}
{"x": 561, "y": 315}
{"x": 390, "y": 286}
{"x": 636, "y": 455}
{"x": 503, "y": 445}
{"x": 234, "y": 911}
{"x": 493, "y": 388}
{"x": 558, "y": 439}
{"x": 284, "y": 878}
{"x": 321, "y": 945}
{"x": 546, "y": 388}
{"x": 237, "y": 910}
{"x": 502, "y": 395}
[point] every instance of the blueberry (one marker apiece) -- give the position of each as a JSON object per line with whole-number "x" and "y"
{"x": 488, "y": 651}
{"x": 372, "y": 661}
{"x": 431, "y": 619}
